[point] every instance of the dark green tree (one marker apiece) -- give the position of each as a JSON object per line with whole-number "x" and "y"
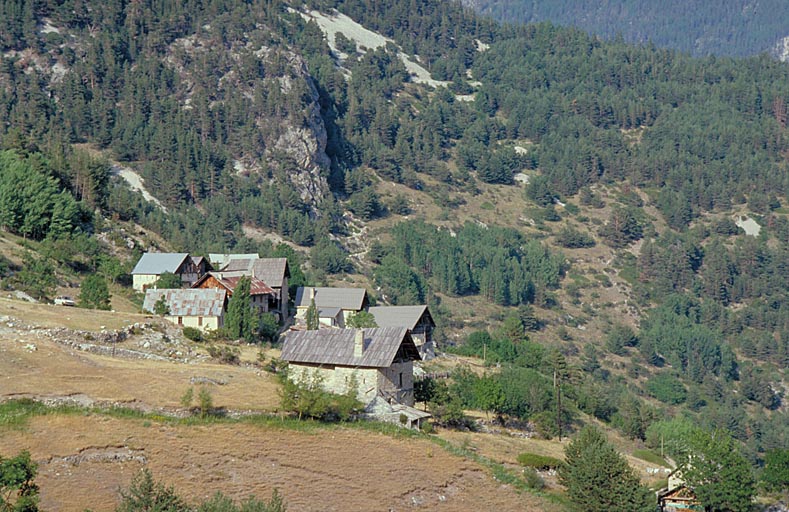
{"x": 362, "y": 319}
{"x": 94, "y": 293}
{"x": 168, "y": 280}
{"x": 311, "y": 316}
{"x": 18, "y": 491}
{"x": 598, "y": 479}
{"x": 241, "y": 320}
{"x": 775, "y": 476}
{"x": 713, "y": 466}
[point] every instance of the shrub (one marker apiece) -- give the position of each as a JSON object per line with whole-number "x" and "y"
{"x": 224, "y": 354}
{"x": 539, "y": 462}
{"x": 192, "y": 333}
{"x": 533, "y": 479}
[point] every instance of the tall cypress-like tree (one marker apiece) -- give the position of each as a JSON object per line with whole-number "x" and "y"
{"x": 598, "y": 479}
{"x": 241, "y": 321}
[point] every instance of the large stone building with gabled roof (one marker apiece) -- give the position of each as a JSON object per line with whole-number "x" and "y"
{"x": 379, "y": 362}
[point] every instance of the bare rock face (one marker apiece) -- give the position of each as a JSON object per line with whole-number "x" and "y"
{"x": 781, "y": 49}
{"x": 281, "y": 97}
{"x": 305, "y": 144}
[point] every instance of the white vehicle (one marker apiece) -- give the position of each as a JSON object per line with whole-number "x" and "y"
{"x": 63, "y": 300}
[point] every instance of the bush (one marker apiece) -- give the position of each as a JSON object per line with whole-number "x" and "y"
{"x": 533, "y": 479}
{"x": 539, "y": 462}
{"x": 192, "y": 333}
{"x": 224, "y": 354}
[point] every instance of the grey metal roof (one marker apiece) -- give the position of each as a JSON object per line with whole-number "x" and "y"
{"x": 328, "y": 312}
{"x": 157, "y": 263}
{"x": 188, "y": 302}
{"x": 344, "y": 298}
{"x": 400, "y": 316}
{"x": 220, "y": 260}
{"x": 271, "y": 271}
{"x": 336, "y": 347}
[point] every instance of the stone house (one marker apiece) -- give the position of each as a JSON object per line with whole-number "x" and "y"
{"x": 349, "y": 300}
{"x": 261, "y": 294}
{"x": 272, "y": 271}
{"x": 202, "y": 309}
{"x": 153, "y": 264}
{"x": 379, "y": 362}
{"x": 416, "y": 318}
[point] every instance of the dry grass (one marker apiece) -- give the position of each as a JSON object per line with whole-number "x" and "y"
{"x": 334, "y": 469}
{"x": 85, "y": 458}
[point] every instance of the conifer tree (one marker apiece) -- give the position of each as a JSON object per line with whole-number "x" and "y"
{"x": 241, "y": 321}
{"x": 598, "y": 479}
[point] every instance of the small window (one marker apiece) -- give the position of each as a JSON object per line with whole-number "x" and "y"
{"x": 180, "y": 320}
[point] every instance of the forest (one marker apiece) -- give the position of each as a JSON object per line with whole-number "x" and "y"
{"x": 722, "y": 28}
{"x": 644, "y": 152}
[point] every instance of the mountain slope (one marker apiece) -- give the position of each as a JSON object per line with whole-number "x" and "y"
{"x": 561, "y": 196}
{"x": 720, "y": 28}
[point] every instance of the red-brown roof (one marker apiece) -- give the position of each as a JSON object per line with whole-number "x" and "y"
{"x": 256, "y": 286}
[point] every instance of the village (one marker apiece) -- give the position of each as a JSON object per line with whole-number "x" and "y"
{"x": 323, "y": 340}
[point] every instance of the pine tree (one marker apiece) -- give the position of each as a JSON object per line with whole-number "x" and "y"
{"x": 94, "y": 293}
{"x": 598, "y": 479}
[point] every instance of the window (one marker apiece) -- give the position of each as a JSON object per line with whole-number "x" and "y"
{"x": 180, "y": 320}
{"x": 401, "y": 379}
{"x": 199, "y": 321}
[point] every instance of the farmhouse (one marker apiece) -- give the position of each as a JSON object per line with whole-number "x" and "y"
{"x": 272, "y": 271}
{"x": 261, "y": 294}
{"x": 416, "y": 318}
{"x": 349, "y": 300}
{"x": 195, "y": 307}
{"x": 153, "y": 264}
{"x": 379, "y": 362}
{"x": 677, "y": 495}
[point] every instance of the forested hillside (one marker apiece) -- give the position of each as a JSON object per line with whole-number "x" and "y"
{"x": 733, "y": 28}
{"x": 571, "y": 203}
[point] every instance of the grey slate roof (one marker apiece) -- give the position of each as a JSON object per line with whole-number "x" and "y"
{"x": 271, "y": 271}
{"x": 399, "y": 316}
{"x": 188, "y": 302}
{"x": 344, "y": 298}
{"x": 158, "y": 263}
{"x": 336, "y": 347}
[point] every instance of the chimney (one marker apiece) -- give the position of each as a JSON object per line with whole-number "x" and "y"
{"x": 358, "y": 343}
